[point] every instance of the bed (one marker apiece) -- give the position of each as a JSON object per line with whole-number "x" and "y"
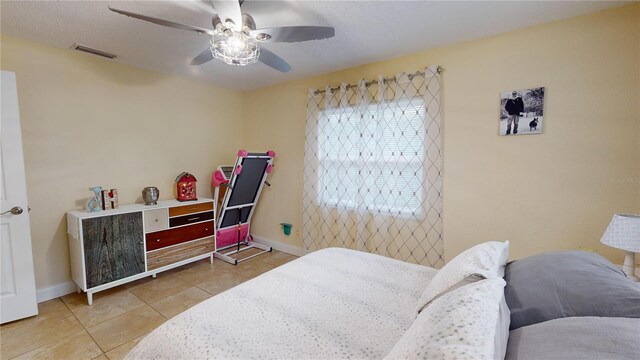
{"x": 333, "y": 303}
{"x": 339, "y": 303}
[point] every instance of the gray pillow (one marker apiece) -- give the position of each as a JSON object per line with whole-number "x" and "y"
{"x": 576, "y": 338}
{"x": 565, "y": 284}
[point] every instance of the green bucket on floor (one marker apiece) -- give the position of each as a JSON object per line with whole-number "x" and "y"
{"x": 286, "y": 228}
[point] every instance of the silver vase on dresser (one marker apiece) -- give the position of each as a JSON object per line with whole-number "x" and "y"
{"x": 150, "y": 195}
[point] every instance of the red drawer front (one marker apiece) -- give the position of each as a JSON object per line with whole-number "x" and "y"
{"x": 160, "y": 239}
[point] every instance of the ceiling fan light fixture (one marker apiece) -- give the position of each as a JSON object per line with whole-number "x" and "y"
{"x": 229, "y": 24}
{"x": 235, "y": 38}
{"x": 235, "y": 48}
{"x": 263, "y": 37}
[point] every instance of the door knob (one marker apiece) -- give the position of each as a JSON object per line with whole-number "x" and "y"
{"x": 16, "y": 210}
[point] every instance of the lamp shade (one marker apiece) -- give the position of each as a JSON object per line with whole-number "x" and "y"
{"x": 623, "y": 233}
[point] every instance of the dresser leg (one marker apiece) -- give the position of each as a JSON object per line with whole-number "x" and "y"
{"x": 211, "y": 258}
{"x": 78, "y": 289}
{"x": 154, "y": 275}
{"x": 90, "y": 298}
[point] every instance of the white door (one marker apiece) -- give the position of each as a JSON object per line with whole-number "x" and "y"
{"x": 17, "y": 286}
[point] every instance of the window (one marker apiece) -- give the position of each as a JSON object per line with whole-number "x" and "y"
{"x": 371, "y": 157}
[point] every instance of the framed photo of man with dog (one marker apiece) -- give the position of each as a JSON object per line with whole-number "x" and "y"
{"x": 521, "y": 111}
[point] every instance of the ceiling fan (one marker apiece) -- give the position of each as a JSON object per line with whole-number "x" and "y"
{"x": 235, "y": 39}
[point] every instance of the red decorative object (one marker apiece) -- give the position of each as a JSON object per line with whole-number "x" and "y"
{"x": 186, "y": 187}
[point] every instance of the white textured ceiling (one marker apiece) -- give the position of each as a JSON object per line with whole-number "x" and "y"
{"x": 366, "y": 31}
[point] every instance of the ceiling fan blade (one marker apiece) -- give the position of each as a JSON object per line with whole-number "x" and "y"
{"x": 229, "y": 10}
{"x": 170, "y": 24}
{"x": 293, "y": 33}
{"x": 204, "y": 57}
{"x": 270, "y": 59}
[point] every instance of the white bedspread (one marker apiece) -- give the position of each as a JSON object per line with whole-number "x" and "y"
{"x": 333, "y": 303}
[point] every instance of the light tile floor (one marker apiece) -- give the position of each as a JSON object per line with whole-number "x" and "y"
{"x": 67, "y": 328}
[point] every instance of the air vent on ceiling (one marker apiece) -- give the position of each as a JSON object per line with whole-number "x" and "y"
{"x": 93, "y": 51}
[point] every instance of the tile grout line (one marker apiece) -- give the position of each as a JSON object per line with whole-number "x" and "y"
{"x": 84, "y": 327}
{"x": 145, "y": 303}
{"x": 100, "y": 322}
{"x": 52, "y": 341}
{"x": 104, "y": 352}
{"x": 198, "y": 287}
{"x": 239, "y": 273}
{"x": 137, "y": 297}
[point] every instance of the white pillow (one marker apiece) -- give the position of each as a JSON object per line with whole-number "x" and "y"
{"x": 502, "y": 330}
{"x": 462, "y": 324}
{"x": 486, "y": 260}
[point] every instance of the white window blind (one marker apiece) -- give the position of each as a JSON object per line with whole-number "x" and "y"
{"x": 371, "y": 158}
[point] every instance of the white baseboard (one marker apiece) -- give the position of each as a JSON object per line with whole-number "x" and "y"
{"x": 277, "y": 245}
{"x": 55, "y": 291}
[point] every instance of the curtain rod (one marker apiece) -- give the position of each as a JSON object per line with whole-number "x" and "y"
{"x": 369, "y": 83}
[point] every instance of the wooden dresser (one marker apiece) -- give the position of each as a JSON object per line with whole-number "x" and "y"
{"x": 112, "y": 247}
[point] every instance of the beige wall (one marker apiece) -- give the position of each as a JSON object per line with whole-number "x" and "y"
{"x": 88, "y": 121}
{"x": 543, "y": 192}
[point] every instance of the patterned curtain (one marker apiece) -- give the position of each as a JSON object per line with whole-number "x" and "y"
{"x": 373, "y": 168}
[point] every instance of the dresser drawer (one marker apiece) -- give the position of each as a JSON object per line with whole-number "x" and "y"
{"x": 159, "y": 258}
{"x": 190, "y": 219}
{"x": 190, "y": 209}
{"x": 156, "y": 220}
{"x": 164, "y": 238}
